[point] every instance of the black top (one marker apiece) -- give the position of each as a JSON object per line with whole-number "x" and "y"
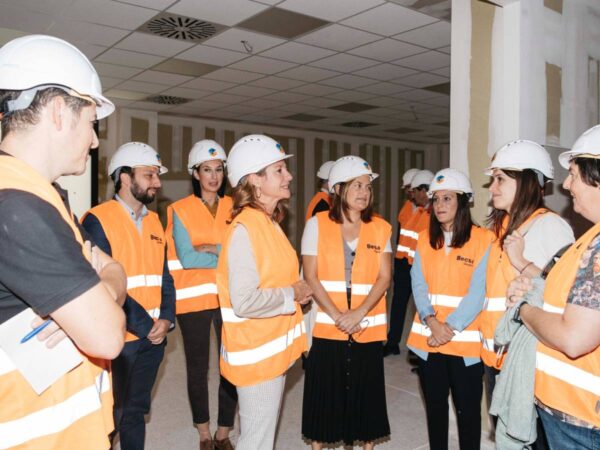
{"x": 41, "y": 263}
{"x": 322, "y": 205}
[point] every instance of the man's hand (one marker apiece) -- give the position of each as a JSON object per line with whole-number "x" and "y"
{"x": 302, "y": 292}
{"x": 159, "y": 331}
{"x": 51, "y": 335}
{"x": 207, "y": 248}
{"x": 517, "y": 288}
{"x": 441, "y": 333}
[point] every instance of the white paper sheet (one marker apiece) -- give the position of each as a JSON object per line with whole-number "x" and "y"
{"x": 40, "y": 366}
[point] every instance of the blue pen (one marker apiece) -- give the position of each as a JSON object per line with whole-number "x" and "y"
{"x": 35, "y": 331}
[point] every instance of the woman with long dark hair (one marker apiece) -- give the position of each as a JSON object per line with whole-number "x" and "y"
{"x": 448, "y": 279}
{"x": 527, "y": 234}
{"x": 346, "y": 255}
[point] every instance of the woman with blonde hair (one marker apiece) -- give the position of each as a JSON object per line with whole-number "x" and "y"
{"x": 346, "y": 255}
{"x": 260, "y": 291}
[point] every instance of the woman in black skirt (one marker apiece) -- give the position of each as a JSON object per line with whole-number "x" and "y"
{"x": 346, "y": 255}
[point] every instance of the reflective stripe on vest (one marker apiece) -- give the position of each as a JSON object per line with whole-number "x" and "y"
{"x": 568, "y": 385}
{"x": 142, "y": 254}
{"x": 448, "y": 277}
{"x": 409, "y": 234}
{"x": 196, "y": 289}
{"x": 258, "y": 350}
{"x": 372, "y": 240}
{"x": 495, "y": 304}
{"x": 27, "y": 418}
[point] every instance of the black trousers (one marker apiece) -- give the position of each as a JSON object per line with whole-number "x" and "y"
{"x": 195, "y": 329}
{"x": 401, "y": 295}
{"x": 440, "y": 375}
{"x": 134, "y": 373}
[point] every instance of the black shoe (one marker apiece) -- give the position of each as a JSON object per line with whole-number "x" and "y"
{"x": 391, "y": 350}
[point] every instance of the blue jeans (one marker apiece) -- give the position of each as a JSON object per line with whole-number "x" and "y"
{"x": 565, "y": 436}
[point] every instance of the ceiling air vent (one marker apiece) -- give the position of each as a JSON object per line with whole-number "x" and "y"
{"x": 167, "y": 100}
{"x": 180, "y": 28}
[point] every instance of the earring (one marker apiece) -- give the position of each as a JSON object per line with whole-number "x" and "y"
{"x": 258, "y": 192}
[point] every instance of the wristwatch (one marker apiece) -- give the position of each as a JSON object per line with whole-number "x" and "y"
{"x": 517, "y": 316}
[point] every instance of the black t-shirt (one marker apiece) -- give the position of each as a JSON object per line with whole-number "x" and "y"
{"x": 41, "y": 263}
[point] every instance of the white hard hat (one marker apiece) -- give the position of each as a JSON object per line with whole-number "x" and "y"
{"x": 408, "y": 176}
{"x": 134, "y": 154}
{"x": 520, "y": 155}
{"x": 420, "y": 178}
{"x": 251, "y": 154}
{"x": 205, "y": 150}
{"x": 347, "y": 168}
{"x": 324, "y": 170}
{"x": 450, "y": 180}
{"x": 588, "y": 144}
{"x": 35, "y": 62}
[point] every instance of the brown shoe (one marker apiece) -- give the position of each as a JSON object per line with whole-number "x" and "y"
{"x": 222, "y": 444}
{"x": 207, "y": 444}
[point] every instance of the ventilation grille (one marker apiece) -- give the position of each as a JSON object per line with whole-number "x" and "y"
{"x": 167, "y": 100}
{"x": 180, "y": 28}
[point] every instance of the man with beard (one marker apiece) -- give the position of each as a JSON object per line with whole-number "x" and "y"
{"x": 125, "y": 229}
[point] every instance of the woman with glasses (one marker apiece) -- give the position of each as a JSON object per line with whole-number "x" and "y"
{"x": 448, "y": 281}
{"x": 346, "y": 256}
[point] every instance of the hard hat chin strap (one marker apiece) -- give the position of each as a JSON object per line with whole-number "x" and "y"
{"x": 25, "y": 98}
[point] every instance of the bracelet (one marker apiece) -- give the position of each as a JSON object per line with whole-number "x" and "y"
{"x": 526, "y": 266}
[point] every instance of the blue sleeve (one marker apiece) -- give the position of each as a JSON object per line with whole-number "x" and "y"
{"x": 472, "y": 303}
{"x": 138, "y": 321}
{"x": 167, "y": 303}
{"x": 187, "y": 255}
{"x": 420, "y": 288}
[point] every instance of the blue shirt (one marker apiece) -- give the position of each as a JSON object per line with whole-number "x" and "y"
{"x": 189, "y": 257}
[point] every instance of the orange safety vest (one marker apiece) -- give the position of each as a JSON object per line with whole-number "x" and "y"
{"x": 449, "y": 277}
{"x": 406, "y": 212}
{"x": 142, "y": 255}
{"x": 196, "y": 289}
{"x": 568, "y": 385}
{"x": 372, "y": 241}
{"x": 319, "y": 196}
{"x": 499, "y": 274}
{"x": 258, "y": 350}
{"x": 409, "y": 233}
{"x": 76, "y": 411}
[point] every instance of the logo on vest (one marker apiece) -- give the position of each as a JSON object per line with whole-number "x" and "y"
{"x": 466, "y": 261}
{"x": 156, "y": 238}
{"x": 375, "y": 248}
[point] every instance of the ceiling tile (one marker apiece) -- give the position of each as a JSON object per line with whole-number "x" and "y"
{"x": 28, "y": 21}
{"x": 262, "y": 65}
{"x": 443, "y": 71}
{"x": 331, "y": 10}
{"x": 72, "y": 31}
{"x": 209, "y": 85}
{"x": 350, "y": 96}
{"x": 223, "y": 97}
{"x": 303, "y": 117}
{"x": 109, "y": 82}
{"x": 186, "y": 93}
{"x": 183, "y": 67}
{"x": 205, "y": 105}
{"x": 386, "y": 50}
{"x": 156, "y": 45}
{"x": 282, "y": 23}
{"x": 298, "y": 53}
{"x": 383, "y": 88}
{"x": 7, "y": 35}
{"x": 153, "y": 76}
{"x": 51, "y": 7}
{"x": 425, "y": 61}
{"x": 347, "y": 81}
{"x": 438, "y": 101}
{"x": 107, "y": 12}
{"x": 141, "y": 86}
{"x": 416, "y": 94}
{"x": 352, "y": 107}
{"x": 389, "y": 19}
{"x": 316, "y": 89}
{"x": 226, "y": 12}
{"x": 115, "y": 71}
{"x": 125, "y": 95}
{"x": 288, "y": 97}
{"x": 338, "y": 37}
{"x": 344, "y": 63}
{"x": 239, "y": 109}
{"x": 89, "y": 50}
{"x": 444, "y": 49}
{"x": 233, "y": 76}
{"x": 385, "y": 72}
{"x": 431, "y": 36}
{"x": 384, "y": 101}
{"x": 154, "y": 4}
{"x": 421, "y": 80}
{"x": 250, "y": 91}
{"x": 308, "y": 74}
{"x": 150, "y": 106}
{"x": 386, "y": 112}
{"x": 232, "y": 38}
{"x": 277, "y": 83}
{"x": 264, "y": 103}
{"x": 321, "y": 102}
{"x": 211, "y": 55}
{"x": 127, "y": 58}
